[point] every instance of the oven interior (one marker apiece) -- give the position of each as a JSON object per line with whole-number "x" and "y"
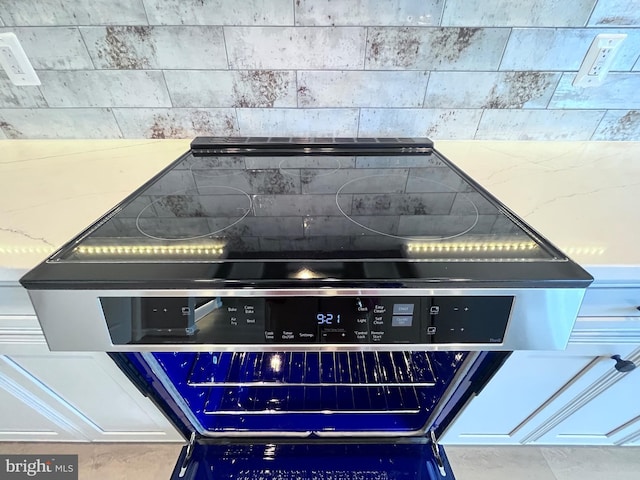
{"x": 299, "y": 394}
{"x": 310, "y": 414}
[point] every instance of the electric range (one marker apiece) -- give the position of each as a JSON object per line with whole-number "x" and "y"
{"x": 309, "y": 308}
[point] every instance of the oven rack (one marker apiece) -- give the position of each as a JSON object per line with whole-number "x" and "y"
{"x": 309, "y": 369}
{"x": 315, "y": 400}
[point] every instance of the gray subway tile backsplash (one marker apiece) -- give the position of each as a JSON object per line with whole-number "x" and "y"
{"x": 240, "y": 88}
{"x": 507, "y": 13}
{"x": 538, "y": 124}
{"x": 435, "y": 123}
{"x": 490, "y": 89}
{"x": 609, "y": 13}
{"x": 562, "y": 49}
{"x": 448, "y": 69}
{"x": 361, "y": 89}
{"x": 295, "y": 47}
{"x": 412, "y": 48}
{"x": 12, "y": 96}
{"x": 143, "y": 47}
{"x": 176, "y": 122}
{"x": 320, "y": 122}
{"x": 78, "y": 12}
{"x": 619, "y": 91}
{"x": 619, "y": 125}
{"x": 369, "y": 12}
{"x": 104, "y": 88}
{"x": 59, "y": 123}
{"x": 53, "y": 48}
{"x": 220, "y": 12}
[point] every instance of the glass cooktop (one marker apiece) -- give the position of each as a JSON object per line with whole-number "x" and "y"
{"x": 348, "y": 205}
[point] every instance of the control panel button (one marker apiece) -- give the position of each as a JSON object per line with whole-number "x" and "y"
{"x": 431, "y": 330}
{"x": 403, "y": 308}
{"x": 401, "y": 321}
{"x": 434, "y": 310}
{"x": 379, "y": 309}
{"x": 377, "y": 336}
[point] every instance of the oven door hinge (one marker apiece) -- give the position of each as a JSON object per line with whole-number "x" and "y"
{"x": 435, "y": 448}
{"x": 187, "y": 458}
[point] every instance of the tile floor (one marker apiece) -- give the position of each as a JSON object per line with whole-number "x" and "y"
{"x": 155, "y": 461}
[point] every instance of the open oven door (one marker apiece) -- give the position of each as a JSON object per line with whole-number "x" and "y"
{"x": 320, "y": 415}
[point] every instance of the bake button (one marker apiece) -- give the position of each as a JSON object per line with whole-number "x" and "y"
{"x": 431, "y": 330}
{"x": 435, "y": 310}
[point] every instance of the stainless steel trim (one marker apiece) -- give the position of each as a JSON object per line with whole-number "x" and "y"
{"x": 541, "y": 319}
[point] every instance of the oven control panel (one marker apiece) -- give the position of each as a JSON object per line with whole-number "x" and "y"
{"x": 308, "y": 320}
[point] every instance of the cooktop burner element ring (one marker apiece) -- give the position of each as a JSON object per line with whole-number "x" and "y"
{"x": 245, "y": 211}
{"x": 330, "y": 172}
{"x": 425, "y": 238}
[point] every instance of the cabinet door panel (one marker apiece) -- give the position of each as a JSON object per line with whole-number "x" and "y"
{"x": 91, "y": 389}
{"x": 602, "y": 409}
{"x": 25, "y": 415}
{"x": 527, "y": 380}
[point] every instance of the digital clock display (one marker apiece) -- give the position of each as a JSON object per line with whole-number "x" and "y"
{"x": 328, "y": 319}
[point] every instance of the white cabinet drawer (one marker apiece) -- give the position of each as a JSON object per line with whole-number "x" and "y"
{"x": 611, "y": 302}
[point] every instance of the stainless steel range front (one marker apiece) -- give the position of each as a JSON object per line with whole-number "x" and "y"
{"x": 352, "y": 294}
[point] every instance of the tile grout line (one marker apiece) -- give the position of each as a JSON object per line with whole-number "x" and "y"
{"x": 366, "y": 41}
{"x": 426, "y": 89}
{"x": 297, "y": 92}
{"x": 84, "y": 42}
{"x": 604, "y": 114}
{"x": 166, "y": 85}
{"x": 444, "y": 6}
{"x": 226, "y": 52}
{"x": 555, "y": 88}
{"x": 475, "y": 135}
{"x": 504, "y": 50}
{"x": 144, "y": 9}
{"x": 113, "y": 114}
{"x": 593, "y": 9}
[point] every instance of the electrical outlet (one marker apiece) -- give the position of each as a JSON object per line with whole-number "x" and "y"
{"x": 598, "y": 60}
{"x": 15, "y": 61}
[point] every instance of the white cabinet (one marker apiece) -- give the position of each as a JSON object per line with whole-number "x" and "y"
{"x": 55, "y": 396}
{"x": 24, "y": 416}
{"x": 570, "y": 397}
{"x": 600, "y": 407}
{"x": 90, "y": 390}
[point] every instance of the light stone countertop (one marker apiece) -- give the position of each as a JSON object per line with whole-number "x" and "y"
{"x": 583, "y": 196}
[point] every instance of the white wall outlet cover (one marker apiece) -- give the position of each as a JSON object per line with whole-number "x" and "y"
{"x": 15, "y": 61}
{"x": 598, "y": 60}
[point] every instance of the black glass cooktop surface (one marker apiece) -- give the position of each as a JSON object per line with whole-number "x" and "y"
{"x": 352, "y": 204}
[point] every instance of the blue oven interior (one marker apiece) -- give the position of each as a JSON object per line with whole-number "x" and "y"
{"x": 306, "y": 393}
{"x": 346, "y": 415}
